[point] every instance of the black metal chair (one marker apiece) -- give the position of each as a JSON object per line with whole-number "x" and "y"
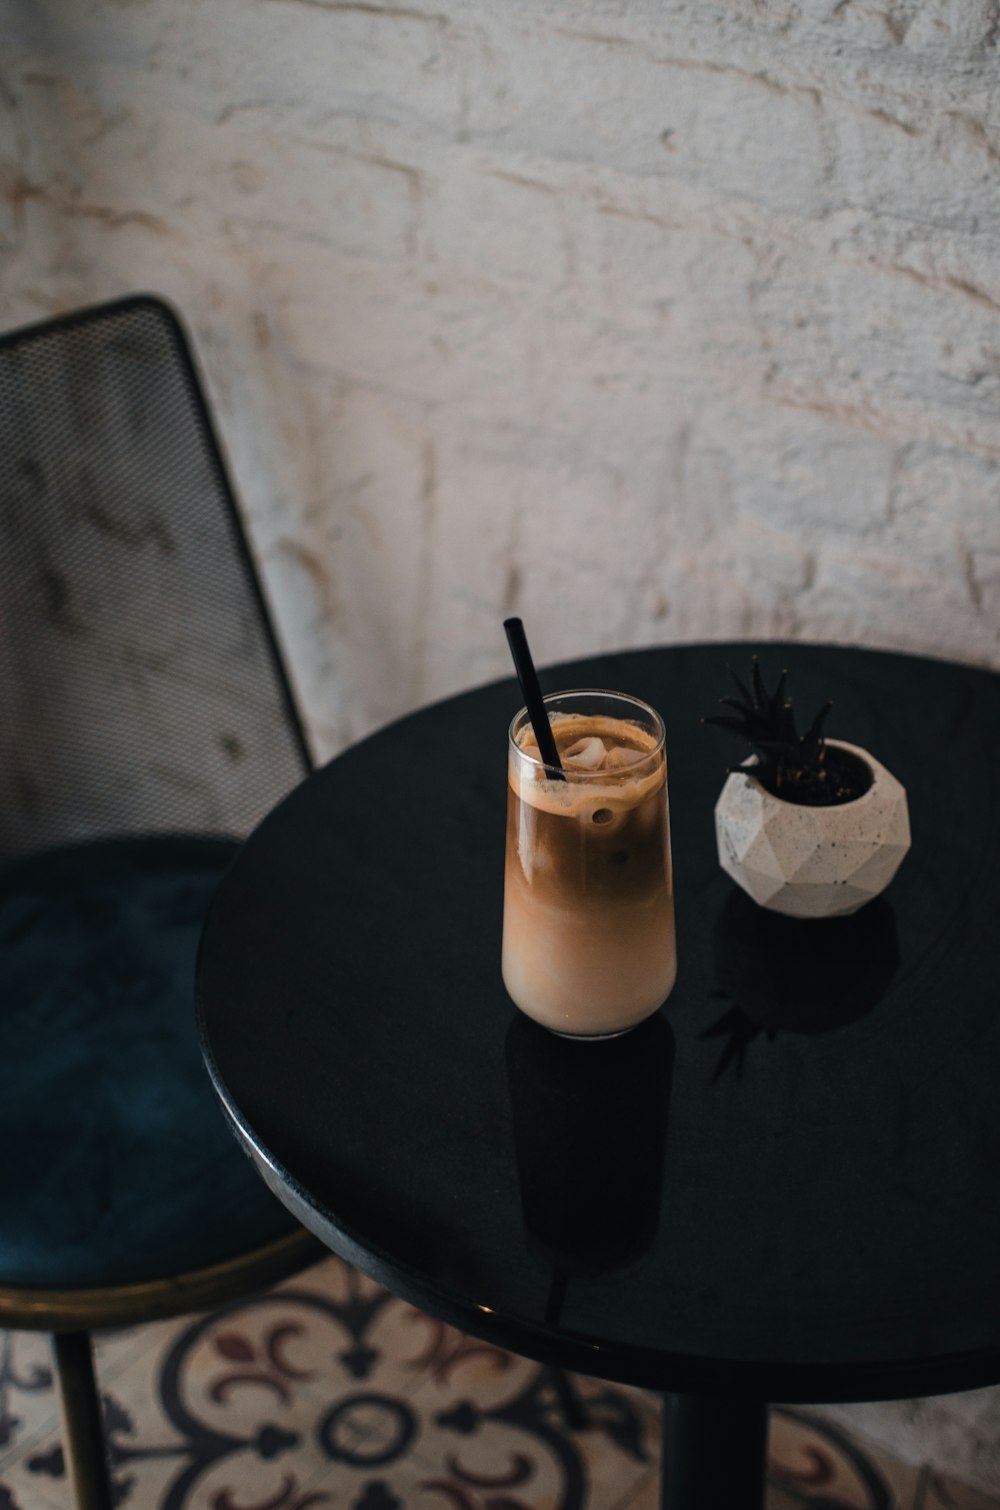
{"x": 146, "y": 724}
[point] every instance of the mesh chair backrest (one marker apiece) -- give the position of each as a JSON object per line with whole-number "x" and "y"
{"x": 140, "y": 686}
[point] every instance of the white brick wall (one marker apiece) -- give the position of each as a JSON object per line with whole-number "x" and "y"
{"x": 651, "y": 319}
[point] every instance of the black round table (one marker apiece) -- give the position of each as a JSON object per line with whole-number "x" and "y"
{"x": 781, "y": 1187}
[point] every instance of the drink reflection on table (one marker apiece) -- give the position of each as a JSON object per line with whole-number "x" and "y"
{"x": 590, "y": 1130}
{"x": 796, "y": 975}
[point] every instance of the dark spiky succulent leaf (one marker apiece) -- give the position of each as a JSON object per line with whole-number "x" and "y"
{"x": 787, "y": 761}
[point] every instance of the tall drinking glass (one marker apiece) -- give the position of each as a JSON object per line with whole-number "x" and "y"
{"x": 588, "y": 925}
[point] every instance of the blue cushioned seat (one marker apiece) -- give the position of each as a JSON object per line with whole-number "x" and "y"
{"x": 126, "y": 1171}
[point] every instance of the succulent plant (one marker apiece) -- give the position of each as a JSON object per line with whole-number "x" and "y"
{"x": 797, "y": 767}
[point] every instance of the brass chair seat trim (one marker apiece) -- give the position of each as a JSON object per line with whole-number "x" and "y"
{"x": 157, "y": 1299}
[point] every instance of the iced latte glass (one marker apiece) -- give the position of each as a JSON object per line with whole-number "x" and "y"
{"x": 588, "y": 923}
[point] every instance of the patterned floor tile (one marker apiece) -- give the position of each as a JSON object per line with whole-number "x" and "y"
{"x": 27, "y": 1398}
{"x": 939, "y": 1491}
{"x": 510, "y": 1435}
{"x": 18, "y": 1491}
{"x": 442, "y": 1475}
{"x": 620, "y": 1446}
{"x": 329, "y": 1394}
{"x": 780, "y": 1498}
{"x": 431, "y": 1363}
{"x": 900, "y": 1478}
{"x": 644, "y": 1494}
{"x": 817, "y": 1460}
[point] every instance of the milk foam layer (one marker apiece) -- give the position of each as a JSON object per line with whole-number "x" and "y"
{"x": 586, "y": 790}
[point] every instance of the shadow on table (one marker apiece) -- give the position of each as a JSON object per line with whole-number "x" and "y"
{"x": 590, "y": 1130}
{"x": 796, "y": 975}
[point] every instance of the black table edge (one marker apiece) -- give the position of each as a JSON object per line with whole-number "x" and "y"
{"x": 791, "y": 1383}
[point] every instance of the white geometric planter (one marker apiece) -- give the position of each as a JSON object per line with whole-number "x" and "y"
{"x": 812, "y": 862}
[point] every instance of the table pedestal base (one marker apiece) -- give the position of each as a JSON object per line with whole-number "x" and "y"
{"x": 714, "y": 1453}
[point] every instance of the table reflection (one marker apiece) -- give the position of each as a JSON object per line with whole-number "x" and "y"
{"x": 590, "y": 1130}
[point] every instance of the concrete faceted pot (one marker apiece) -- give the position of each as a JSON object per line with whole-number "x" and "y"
{"x": 812, "y": 862}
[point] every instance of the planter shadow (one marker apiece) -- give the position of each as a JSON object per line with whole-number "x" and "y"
{"x": 796, "y": 975}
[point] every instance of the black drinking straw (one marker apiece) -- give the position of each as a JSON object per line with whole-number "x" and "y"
{"x": 532, "y": 694}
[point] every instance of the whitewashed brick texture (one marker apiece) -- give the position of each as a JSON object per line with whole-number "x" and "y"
{"x": 653, "y": 320}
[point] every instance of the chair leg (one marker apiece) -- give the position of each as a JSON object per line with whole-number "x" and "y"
{"x": 83, "y": 1430}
